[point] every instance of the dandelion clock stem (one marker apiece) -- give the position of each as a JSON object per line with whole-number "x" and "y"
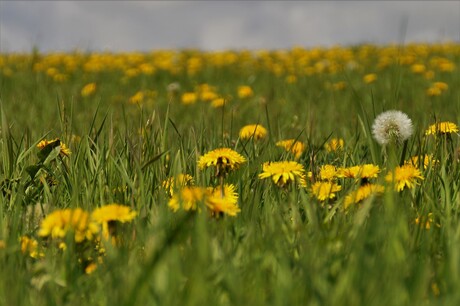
{"x": 403, "y": 154}
{"x": 222, "y": 191}
{"x": 391, "y": 156}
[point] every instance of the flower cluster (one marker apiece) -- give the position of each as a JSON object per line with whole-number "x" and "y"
{"x": 61, "y": 222}
{"x": 81, "y": 224}
{"x": 216, "y": 200}
{"x": 175, "y": 182}
{"x": 326, "y": 187}
{"x": 362, "y": 193}
{"x": 442, "y": 128}
{"x": 87, "y": 231}
{"x": 293, "y": 146}
{"x": 366, "y": 188}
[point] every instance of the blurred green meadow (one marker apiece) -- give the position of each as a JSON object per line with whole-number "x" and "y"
{"x": 192, "y": 224}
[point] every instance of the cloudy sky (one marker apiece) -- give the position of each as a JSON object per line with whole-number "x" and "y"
{"x": 216, "y": 25}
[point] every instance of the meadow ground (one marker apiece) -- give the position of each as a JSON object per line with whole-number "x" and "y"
{"x": 231, "y": 178}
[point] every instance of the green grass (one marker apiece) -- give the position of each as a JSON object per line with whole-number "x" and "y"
{"x": 284, "y": 247}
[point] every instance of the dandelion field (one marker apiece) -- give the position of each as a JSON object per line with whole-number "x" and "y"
{"x": 231, "y": 178}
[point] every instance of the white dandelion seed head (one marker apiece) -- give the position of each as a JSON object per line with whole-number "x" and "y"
{"x": 173, "y": 87}
{"x": 392, "y": 126}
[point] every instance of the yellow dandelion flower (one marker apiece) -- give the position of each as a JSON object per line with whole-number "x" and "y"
{"x": 245, "y": 92}
{"x": 429, "y": 74}
{"x": 147, "y": 69}
{"x": 335, "y": 144}
{"x": 62, "y": 246}
{"x": 208, "y": 95}
{"x": 219, "y": 102}
{"x": 189, "y": 98}
{"x": 325, "y": 190}
{"x": 418, "y": 68}
{"x": 222, "y": 205}
{"x": 433, "y": 91}
{"x": 60, "y": 222}
{"x": 189, "y": 197}
{"x": 88, "y": 90}
{"x": 435, "y": 289}
{"x": 327, "y": 172}
{"x": 30, "y": 246}
{"x": 362, "y": 193}
{"x": 291, "y": 79}
{"x": 109, "y": 215}
{"x": 225, "y": 202}
{"x": 370, "y": 78}
{"x": 218, "y": 200}
{"x": 138, "y": 98}
{"x": 404, "y": 176}
{"x": 427, "y": 160}
{"x": 90, "y": 268}
{"x": 113, "y": 212}
{"x": 293, "y": 146}
{"x": 283, "y": 173}
{"x": 366, "y": 171}
{"x": 253, "y": 130}
{"x": 224, "y": 159}
{"x": 60, "y": 77}
{"x": 441, "y": 85}
{"x": 205, "y": 87}
{"x": 339, "y": 86}
{"x": 445, "y": 65}
{"x": 442, "y": 128}
{"x": 425, "y": 221}
{"x": 180, "y": 180}
{"x": 65, "y": 151}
